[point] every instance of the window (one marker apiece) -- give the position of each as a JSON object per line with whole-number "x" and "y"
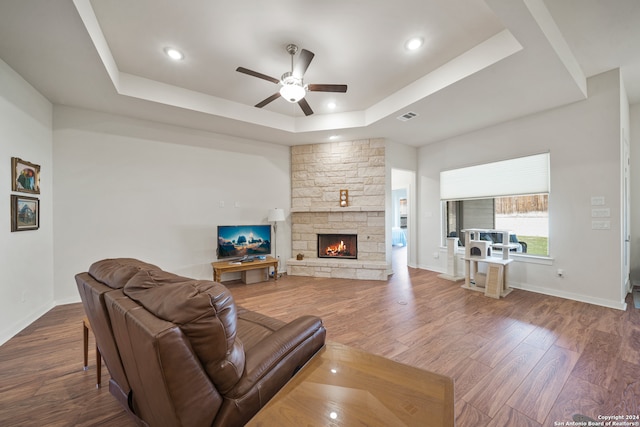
{"x": 507, "y": 195}
{"x": 526, "y": 216}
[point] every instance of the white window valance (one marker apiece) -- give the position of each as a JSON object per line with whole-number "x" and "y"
{"x": 522, "y": 175}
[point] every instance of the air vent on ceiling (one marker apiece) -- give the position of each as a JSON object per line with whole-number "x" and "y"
{"x": 407, "y": 116}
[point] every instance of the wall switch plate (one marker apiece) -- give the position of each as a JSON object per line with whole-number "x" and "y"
{"x": 601, "y": 225}
{"x": 600, "y": 213}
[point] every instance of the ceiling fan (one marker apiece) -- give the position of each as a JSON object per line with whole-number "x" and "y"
{"x": 292, "y": 85}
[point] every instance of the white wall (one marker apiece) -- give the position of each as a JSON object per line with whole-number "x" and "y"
{"x": 26, "y": 257}
{"x": 584, "y": 141}
{"x": 635, "y": 194}
{"x": 131, "y": 188}
{"x": 625, "y": 194}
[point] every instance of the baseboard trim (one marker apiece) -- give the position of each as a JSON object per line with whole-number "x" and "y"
{"x": 14, "y": 328}
{"x": 554, "y": 293}
{"x": 570, "y": 295}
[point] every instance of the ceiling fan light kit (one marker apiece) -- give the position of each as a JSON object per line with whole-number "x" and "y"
{"x": 292, "y": 85}
{"x": 292, "y": 89}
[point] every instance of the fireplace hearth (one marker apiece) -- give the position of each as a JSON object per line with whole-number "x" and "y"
{"x": 338, "y": 246}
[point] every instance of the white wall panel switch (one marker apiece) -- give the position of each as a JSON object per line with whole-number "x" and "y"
{"x": 600, "y": 225}
{"x": 600, "y": 213}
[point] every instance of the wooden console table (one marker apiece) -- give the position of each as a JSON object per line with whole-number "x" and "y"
{"x": 344, "y": 386}
{"x": 235, "y": 266}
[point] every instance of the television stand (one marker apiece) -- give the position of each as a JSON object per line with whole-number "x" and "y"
{"x": 221, "y": 267}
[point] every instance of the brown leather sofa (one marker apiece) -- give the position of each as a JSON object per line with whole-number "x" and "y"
{"x": 181, "y": 353}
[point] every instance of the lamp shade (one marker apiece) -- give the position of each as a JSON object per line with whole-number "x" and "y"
{"x": 276, "y": 215}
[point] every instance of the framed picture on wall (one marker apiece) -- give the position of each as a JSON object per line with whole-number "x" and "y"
{"x": 25, "y": 213}
{"x": 25, "y": 176}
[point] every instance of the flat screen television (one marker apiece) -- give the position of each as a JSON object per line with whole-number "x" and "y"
{"x": 243, "y": 241}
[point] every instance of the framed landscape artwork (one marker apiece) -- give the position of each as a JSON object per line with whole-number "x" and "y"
{"x": 25, "y": 176}
{"x": 25, "y": 213}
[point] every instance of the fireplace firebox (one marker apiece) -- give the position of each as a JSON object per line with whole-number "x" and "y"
{"x": 338, "y": 246}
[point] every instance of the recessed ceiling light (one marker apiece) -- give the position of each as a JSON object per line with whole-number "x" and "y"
{"x": 334, "y": 137}
{"x": 331, "y": 105}
{"x": 414, "y": 43}
{"x": 174, "y": 54}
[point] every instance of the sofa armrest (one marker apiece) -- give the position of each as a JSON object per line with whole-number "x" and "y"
{"x": 301, "y": 335}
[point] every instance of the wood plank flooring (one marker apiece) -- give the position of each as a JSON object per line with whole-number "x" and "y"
{"x": 42, "y": 382}
{"x": 525, "y": 360}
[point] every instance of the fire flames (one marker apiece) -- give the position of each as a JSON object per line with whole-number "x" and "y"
{"x": 337, "y": 250}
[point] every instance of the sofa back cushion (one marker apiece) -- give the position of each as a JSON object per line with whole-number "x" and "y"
{"x": 167, "y": 379}
{"x": 205, "y": 312}
{"x": 116, "y": 272}
{"x": 92, "y": 295}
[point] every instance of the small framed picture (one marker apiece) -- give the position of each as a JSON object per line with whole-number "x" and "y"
{"x": 25, "y": 176}
{"x": 25, "y": 213}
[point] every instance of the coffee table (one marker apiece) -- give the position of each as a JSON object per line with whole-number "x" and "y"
{"x": 344, "y": 386}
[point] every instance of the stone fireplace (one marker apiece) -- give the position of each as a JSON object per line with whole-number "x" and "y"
{"x": 343, "y": 246}
{"x": 318, "y": 173}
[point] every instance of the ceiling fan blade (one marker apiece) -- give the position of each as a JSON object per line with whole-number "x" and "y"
{"x": 268, "y": 100}
{"x": 303, "y": 63}
{"x": 327, "y": 88}
{"x": 305, "y": 107}
{"x": 258, "y": 75}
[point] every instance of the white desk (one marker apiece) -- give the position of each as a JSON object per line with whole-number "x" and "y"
{"x": 496, "y": 284}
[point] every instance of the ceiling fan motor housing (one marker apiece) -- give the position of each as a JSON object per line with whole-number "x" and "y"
{"x": 292, "y": 49}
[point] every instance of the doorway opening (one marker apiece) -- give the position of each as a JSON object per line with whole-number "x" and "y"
{"x": 402, "y": 210}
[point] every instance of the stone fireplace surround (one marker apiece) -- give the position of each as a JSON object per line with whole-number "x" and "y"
{"x": 318, "y": 173}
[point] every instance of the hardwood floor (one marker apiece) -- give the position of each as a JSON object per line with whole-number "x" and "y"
{"x": 525, "y": 360}
{"x": 41, "y": 378}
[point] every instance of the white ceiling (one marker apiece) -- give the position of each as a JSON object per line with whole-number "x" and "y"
{"x": 483, "y": 62}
